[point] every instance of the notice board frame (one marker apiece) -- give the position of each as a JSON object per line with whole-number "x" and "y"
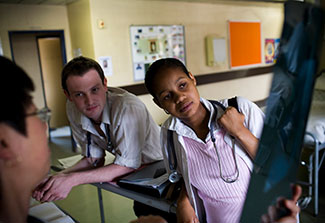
{"x": 152, "y": 42}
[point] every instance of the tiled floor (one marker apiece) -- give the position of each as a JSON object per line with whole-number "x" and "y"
{"x": 307, "y": 215}
{"x": 82, "y": 202}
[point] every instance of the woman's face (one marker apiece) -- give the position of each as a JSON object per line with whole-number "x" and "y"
{"x": 176, "y": 92}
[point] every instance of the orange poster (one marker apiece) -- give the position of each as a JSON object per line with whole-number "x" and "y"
{"x": 245, "y": 43}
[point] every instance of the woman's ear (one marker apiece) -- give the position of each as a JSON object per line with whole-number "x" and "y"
{"x": 192, "y": 78}
{"x": 157, "y": 102}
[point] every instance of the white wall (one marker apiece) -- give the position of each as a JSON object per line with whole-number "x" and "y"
{"x": 199, "y": 20}
{"x": 15, "y": 17}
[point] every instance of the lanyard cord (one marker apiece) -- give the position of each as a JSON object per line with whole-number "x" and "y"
{"x": 171, "y": 150}
{"x": 109, "y": 141}
{"x": 108, "y": 135}
{"x": 88, "y": 143}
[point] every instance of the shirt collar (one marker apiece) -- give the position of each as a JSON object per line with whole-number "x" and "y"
{"x": 175, "y": 124}
{"x": 216, "y": 112}
{"x": 107, "y": 110}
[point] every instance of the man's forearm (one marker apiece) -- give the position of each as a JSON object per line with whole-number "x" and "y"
{"x": 81, "y": 165}
{"x": 100, "y": 174}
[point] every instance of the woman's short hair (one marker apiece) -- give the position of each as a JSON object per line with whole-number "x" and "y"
{"x": 157, "y": 68}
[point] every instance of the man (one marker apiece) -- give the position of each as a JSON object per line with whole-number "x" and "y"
{"x": 101, "y": 118}
{"x": 24, "y": 152}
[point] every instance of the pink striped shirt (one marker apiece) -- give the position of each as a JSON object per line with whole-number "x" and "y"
{"x": 223, "y": 202}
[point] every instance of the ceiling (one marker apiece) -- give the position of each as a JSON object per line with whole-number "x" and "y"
{"x": 66, "y": 2}
{"x": 216, "y": 1}
{"x": 38, "y": 2}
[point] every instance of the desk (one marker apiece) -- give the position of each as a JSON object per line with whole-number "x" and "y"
{"x": 163, "y": 204}
{"x": 159, "y": 203}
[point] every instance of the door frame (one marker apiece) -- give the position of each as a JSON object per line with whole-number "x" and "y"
{"x": 41, "y": 34}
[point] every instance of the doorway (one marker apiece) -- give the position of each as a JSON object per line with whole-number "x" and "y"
{"x": 42, "y": 55}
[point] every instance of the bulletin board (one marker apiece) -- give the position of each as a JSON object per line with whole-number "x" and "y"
{"x": 150, "y": 43}
{"x": 245, "y": 44}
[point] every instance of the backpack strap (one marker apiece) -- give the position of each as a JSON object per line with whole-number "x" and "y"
{"x": 171, "y": 151}
{"x": 217, "y": 103}
{"x": 233, "y": 103}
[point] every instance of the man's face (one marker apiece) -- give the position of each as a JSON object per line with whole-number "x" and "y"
{"x": 37, "y": 145}
{"x": 88, "y": 93}
{"x": 31, "y": 149}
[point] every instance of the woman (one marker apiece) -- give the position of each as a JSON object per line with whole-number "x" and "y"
{"x": 215, "y": 145}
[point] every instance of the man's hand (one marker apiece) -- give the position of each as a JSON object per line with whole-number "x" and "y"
{"x": 38, "y": 192}
{"x": 56, "y": 187}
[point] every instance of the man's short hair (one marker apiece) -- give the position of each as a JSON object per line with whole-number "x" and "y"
{"x": 78, "y": 67}
{"x": 157, "y": 68}
{"x": 15, "y": 90}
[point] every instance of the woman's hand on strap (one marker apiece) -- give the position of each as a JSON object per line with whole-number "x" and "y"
{"x": 233, "y": 122}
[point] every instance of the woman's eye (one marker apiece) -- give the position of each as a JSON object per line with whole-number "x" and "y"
{"x": 182, "y": 85}
{"x": 166, "y": 97}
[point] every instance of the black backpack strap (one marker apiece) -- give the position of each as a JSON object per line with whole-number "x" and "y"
{"x": 218, "y": 104}
{"x": 171, "y": 151}
{"x": 233, "y": 103}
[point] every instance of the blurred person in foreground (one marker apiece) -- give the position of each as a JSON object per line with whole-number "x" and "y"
{"x": 24, "y": 152}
